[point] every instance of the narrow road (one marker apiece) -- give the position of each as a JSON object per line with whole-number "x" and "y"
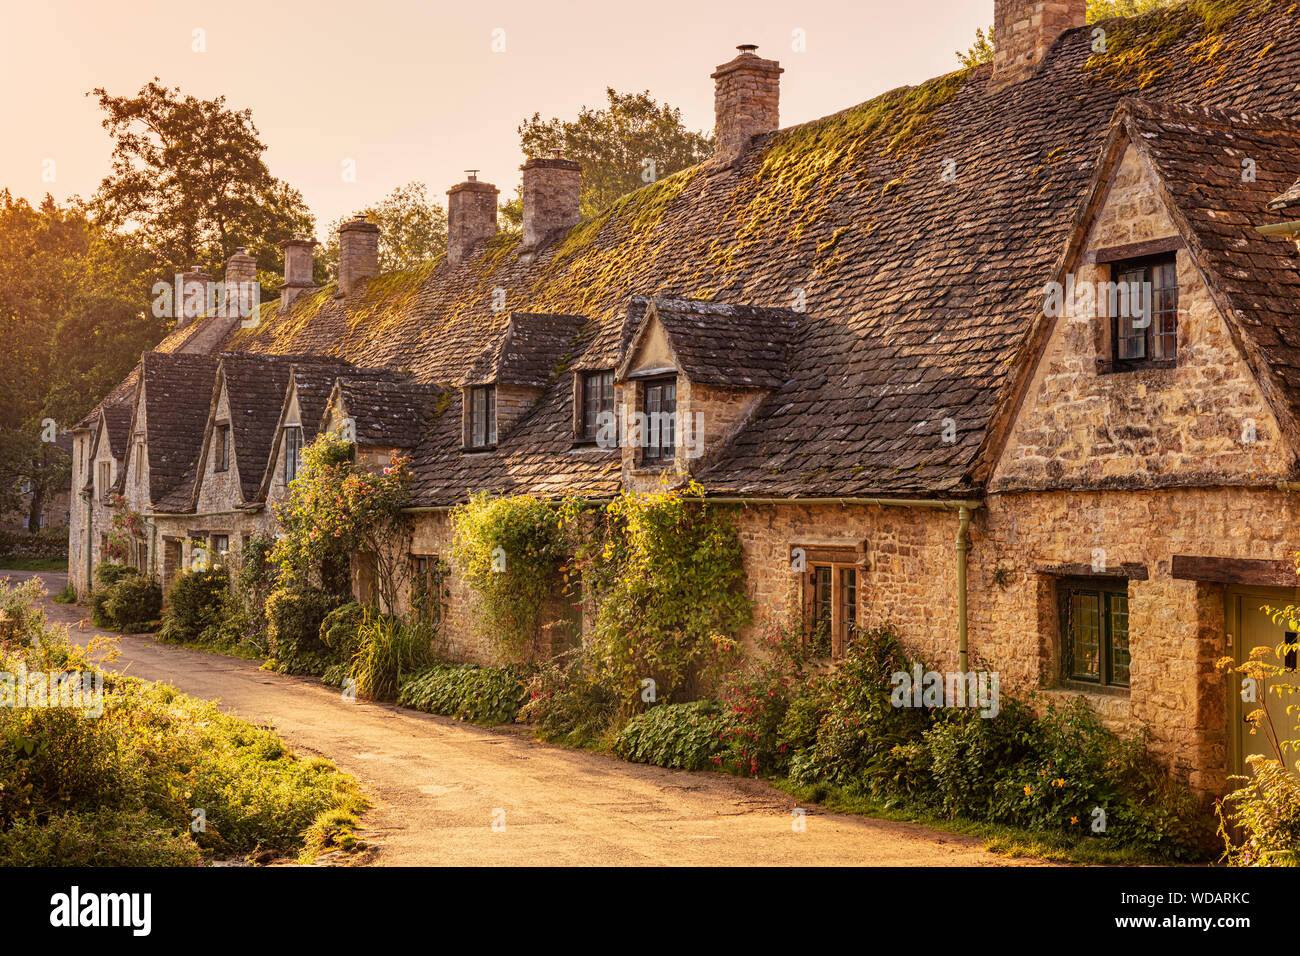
{"x": 449, "y": 793}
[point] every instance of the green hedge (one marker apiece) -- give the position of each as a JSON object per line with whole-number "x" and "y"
{"x": 124, "y": 599}
{"x": 197, "y": 602}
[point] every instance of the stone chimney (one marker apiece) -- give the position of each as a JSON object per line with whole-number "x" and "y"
{"x": 550, "y": 195}
{"x": 358, "y": 254}
{"x": 1023, "y": 32}
{"x": 196, "y": 287}
{"x": 471, "y": 215}
{"x": 746, "y": 101}
{"x": 240, "y": 294}
{"x": 297, "y": 269}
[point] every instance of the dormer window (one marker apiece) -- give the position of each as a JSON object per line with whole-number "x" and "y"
{"x": 1144, "y": 312}
{"x": 597, "y": 400}
{"x": 221, "y": 447}
{"x": 659, "y": 403}
{"x": 482, "y": 416}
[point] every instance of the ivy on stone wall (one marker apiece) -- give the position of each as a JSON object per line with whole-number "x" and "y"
{"x": 512, "y": 552}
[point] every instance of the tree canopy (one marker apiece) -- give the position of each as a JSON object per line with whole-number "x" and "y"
{"x": 189, "y": 179}
{"x": 74, "y": 319}
{"x": 628, "y": 142}
{"x": 411, "y": 230}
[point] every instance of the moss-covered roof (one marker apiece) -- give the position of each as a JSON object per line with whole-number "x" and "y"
{"x": 914, "y": 231}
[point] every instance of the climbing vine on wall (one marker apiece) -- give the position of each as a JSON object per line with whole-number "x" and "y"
{"x": 666, "y": 573}
{"x": 512, "y": 552}
{"x": 126, "y": 528}
{"x": 335, "y": 509}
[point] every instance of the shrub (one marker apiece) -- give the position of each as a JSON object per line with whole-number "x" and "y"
{"x": 860, "y": 725}
{"x": 133, "y": 604}
{"x": 482, "y": 695}
{"x": 970, "y": 757}
{"x": 568, "y": 704}
{"x": 67, "y": 596}
{"x": 294, "y": 617}
{"x": 668, "y": 579}
{"x": 107, "y": 575}
{"x": 196, "y": 603}
{"x": 21, "y": 611}
{"x": 1260, "y": 821}
{"x": 340, "y": 629}
{"x": 757, "y": 699}
{"x": 679, "y": 736}
{"x": 389, "y": 650}
{"x": 97, "y": 838}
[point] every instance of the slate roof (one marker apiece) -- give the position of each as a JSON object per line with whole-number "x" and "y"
{"x": 919, "y": 287}
{"x": 177, "y": 394}
{"x": 529, "y": 352}
{"x": 730, "y": 345}
{"x": 117, "y": 427}
{"x": 387, "y": 413}
{"x": 1289, "y": 199}
{"x": 255, "y": 393}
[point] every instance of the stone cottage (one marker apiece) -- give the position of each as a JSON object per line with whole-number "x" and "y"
{"x": 1009, "y": 361}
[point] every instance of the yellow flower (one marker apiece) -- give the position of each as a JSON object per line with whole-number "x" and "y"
{"x": 1058, "y": 782}
{"x": 1028, "y": 790}
{"x": 1074, "y": 820}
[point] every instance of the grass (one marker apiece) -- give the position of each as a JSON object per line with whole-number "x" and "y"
{"x": 33, "y": 564}
{"x": 998, "y": 838}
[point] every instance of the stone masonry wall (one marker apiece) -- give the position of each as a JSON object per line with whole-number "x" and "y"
{"x": 1204, "y": 421}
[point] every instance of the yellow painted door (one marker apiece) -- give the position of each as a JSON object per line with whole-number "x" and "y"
{"x": 1252, "y": 627}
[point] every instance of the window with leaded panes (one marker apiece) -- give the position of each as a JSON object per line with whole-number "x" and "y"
{"x": 659, "y": 403}
{"x": 1144, "y": 311}
{"x": 1095, "y": 628}
{"x": 597, "y": 400}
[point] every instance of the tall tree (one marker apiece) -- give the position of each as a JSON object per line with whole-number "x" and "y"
{"x": 628, "y": 142}
{"x": 412, "y": 229}
{"x": 188, "y": 176}
{"x": 74, "y": 318}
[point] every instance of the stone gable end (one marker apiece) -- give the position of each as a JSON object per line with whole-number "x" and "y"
{"x": 1203, "y": 422}
{"x": 218, "y": 490}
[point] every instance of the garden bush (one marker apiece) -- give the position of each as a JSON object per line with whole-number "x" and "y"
{"x": 294, "y": 617}
{"x": 133, "y": 604}
{"x": 679, "y": 736}
{"x": 481, "y": 695}
{"x": 103, "y": 837}
{"x": 568, "y": 704}
{"x": 340, "y": 631}
{"x": 860, "y": 725}
{"x": 124, "y": 599}
{"x": 197, "y": 602}
{"x": 757, "y": 698}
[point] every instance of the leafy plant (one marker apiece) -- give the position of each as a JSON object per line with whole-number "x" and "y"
{"x": 294, "y": 617}
{"x": 483, "y": 695}
{"x": 511, "y": 551}
{"x": 388, "y": 651}
{"x": 680, "y": 736}
{"x": 196, "y": 602}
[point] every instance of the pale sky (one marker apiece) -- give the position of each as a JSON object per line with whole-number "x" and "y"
{"x": 413, "y": 91}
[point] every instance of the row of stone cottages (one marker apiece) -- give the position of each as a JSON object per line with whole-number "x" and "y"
{"x": 848, "y": 322}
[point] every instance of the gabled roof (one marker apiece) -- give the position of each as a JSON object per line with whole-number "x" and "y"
{"x": 529, "y": 352}
{"x": 117, "y": 427}
{"x": 919, "y": 287}
{"x": 255, "y": 388}
{"x": 738, "y": 346}
{"x": 1196, "y": 156}
{"x": 177, "y": 393}
{"x": 388, "y": 414}
{"x": 1288, "y": 200}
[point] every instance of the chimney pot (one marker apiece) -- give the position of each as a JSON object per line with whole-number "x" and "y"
{"x": 471, "y": 216}
{"x": 746, "y": 102}
{"x": 1023, "y": 32}
{"x": 550, "y": 195}
{"x": 358, "y": 254}
{"x": 239, "y": 291}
